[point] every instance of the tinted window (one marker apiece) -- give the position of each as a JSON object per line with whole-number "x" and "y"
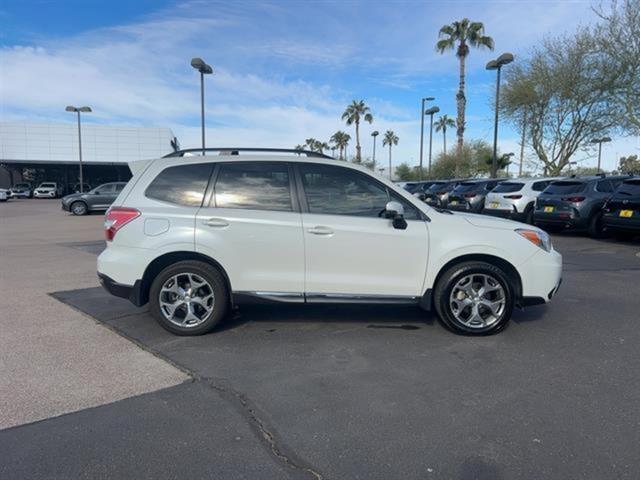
{"x": 468, "y": 187}
{"x": 106, "y": 188}
{"x": 341, "y": 191}
{"x": 604, "y": 186}
{"x": 21, "y": 185}
{"x": 254, "y": 186}
{"x": 540, "y": 186}
{"x": 630, "y": 187}
{"x": 564, "y": 187}
{"x": 119, "y": 187}
{"x": 439, "y": 187}
{"x": 182, "y": 185}
{"x": 508, "y": 187}
{"x": 48, "y": 185}
{"x": 410, "y": 187}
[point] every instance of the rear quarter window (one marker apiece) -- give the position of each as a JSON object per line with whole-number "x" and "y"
{"x": 181, "y": 185}
{"x": 540, "y": 186}
{"x": 630, "y": 187}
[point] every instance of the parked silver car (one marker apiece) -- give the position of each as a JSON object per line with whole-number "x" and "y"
{"x": 22, "y": 190}
{"x": 48, "y": 190}
{"x": 98, "y": 199}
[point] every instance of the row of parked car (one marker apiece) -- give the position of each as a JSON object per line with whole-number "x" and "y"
{"x": 43, "y": 190}
{"x": 596, "y": 204}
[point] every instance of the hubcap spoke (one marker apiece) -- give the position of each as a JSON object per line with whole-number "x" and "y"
{"x": 477, "y": 300}
{"x": 186, "y": 300}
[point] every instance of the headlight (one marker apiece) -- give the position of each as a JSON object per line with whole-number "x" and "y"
{"x": 539, "y": 238}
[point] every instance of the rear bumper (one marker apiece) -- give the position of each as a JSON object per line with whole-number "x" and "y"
{"x": 133, "y": 293}
{"x": 562, "y": 219}
{"x": 611, "y": 222}
{"x": 502, "y": 213}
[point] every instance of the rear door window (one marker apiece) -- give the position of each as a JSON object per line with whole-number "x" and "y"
{"x": 565, "y": 187}
{"x": 254, "y": 186}
{"x": 181, "y": 185}
{"x": 508, "y": 187}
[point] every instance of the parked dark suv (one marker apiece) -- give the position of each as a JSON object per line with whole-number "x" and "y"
{"x": 98, "y": 199}
{"x": 621, "y": 213}
{"x": 469, "y": 196}
{"x": 575, "y": 203}
{"x": 418, "y": 187}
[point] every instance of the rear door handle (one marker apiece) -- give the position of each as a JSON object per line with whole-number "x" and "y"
{"x": 320, "y": 230}
{"x": 215, "y": 222}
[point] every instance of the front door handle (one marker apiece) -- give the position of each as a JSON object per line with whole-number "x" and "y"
{"x": 320, "y": 230}
{"x": 215, "y": 222}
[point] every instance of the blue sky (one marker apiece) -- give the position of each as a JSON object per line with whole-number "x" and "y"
{"x": 284, "y": 70}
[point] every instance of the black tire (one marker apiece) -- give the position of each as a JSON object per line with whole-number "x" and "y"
{"x": 528, "y": 214}
{"x": 79, "y": 208}
{"x": 448, "y": 281}
{"x": 204, "y": 271}
{"x": 595, "y": 225}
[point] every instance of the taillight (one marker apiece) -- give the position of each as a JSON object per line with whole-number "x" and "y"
{"x": 469, "y": 195}
{"x": 513, "y": 197}
{"x": 116, "y": 218}
{"x": 573, "y": 199}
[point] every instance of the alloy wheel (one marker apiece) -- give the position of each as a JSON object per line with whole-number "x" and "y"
{"x": 186, "y": 300}
{"x": 477, "y": 300}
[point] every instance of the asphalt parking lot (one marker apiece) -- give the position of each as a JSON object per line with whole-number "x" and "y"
{"x": 363, "y": 392}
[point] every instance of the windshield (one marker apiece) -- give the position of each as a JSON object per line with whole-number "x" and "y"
{"x": 562, "y": 188}
{"x": 508, "y": 187}
{"x": 47, "y": 185}
{"x": 630, "y": 187}
{"x": 468, "y": 187}
{"x": 21, "y": 185}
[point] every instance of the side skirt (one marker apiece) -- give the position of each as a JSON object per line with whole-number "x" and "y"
{"x": 244, "y": 298}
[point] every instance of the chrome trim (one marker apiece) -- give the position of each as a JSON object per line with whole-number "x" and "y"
{"x": 357, "y": 298}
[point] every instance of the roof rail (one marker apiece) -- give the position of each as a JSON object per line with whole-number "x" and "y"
{"x": 237, "y": 150}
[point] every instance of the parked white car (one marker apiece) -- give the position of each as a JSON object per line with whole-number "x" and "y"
{"x": 48, "y": 190}
{"x": 516, "y": 198}
{"x": 21, "y": 190}
{"x": 193, "y": 236}
{"x": 4, "y": 194}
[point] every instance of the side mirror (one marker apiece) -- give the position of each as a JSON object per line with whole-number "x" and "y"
{"x": 395, "y": 211}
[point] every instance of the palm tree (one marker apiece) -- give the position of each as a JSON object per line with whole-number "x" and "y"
{"x": 340, "y": 139}
{"x": 311, "y": 144}
{"x": 442, "y": 124}
{"x": 321, "y": 146}
{"x": 299, "y": 147}
{"x": 462, "y": 35}
{"x": 355, "y": 112}
{"x": 390, "y": 139}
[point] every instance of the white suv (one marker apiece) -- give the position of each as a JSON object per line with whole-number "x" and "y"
{"x": 195, "y": 235}
{"x": 516, "y": 198}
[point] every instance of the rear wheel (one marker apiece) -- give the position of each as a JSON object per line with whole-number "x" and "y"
{"x": 79, "y": 208}
{"x": 595, "y": 225}
{"x": 474, "y": 298}
{"x": 528, "y": 215}
{"x": 189, "y": 298}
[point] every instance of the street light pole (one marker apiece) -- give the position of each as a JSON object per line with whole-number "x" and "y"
{"x": 431, "y": 111}
{"x": 600, "y": 141}
{"x": 77, "y": 111}
{"x": 203, "y": 68}
{"x": 422, "y": 114}
{"x": 497, "y": 64}
{"x": 374, "y": 134}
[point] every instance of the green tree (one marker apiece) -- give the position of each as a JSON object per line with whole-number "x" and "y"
{"x": 340, "y": 139}
{"x": 629, "y": 165}
{"x": 442, "y": 124}
{"x": 461, "y": 36}
{"x": 567, "y": 98}
{"x": 299, "y": 147}
{"x": 390, "y": 139}
{"x": 618, "y": 41}
{"x": 405, "y": 173}
{"x": 354, "y": 113}
{"x": 471, "y": 163}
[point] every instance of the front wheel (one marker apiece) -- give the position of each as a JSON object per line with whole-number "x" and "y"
{"x": 475, "y": 298}
{"x": 79, "y": 208}
{"x": 189, "y": 298}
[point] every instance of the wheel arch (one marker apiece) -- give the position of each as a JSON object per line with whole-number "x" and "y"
{"x": 161, "y": 262}
{"x": 510, "y": 270}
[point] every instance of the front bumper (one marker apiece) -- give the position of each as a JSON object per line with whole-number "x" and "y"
{"x": 44, "y": 194}
{"x": 541, "y": 276}
{"x": 133, "y": 293}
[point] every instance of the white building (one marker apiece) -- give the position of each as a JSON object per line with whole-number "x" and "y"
{"x": 49, "y": 151}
